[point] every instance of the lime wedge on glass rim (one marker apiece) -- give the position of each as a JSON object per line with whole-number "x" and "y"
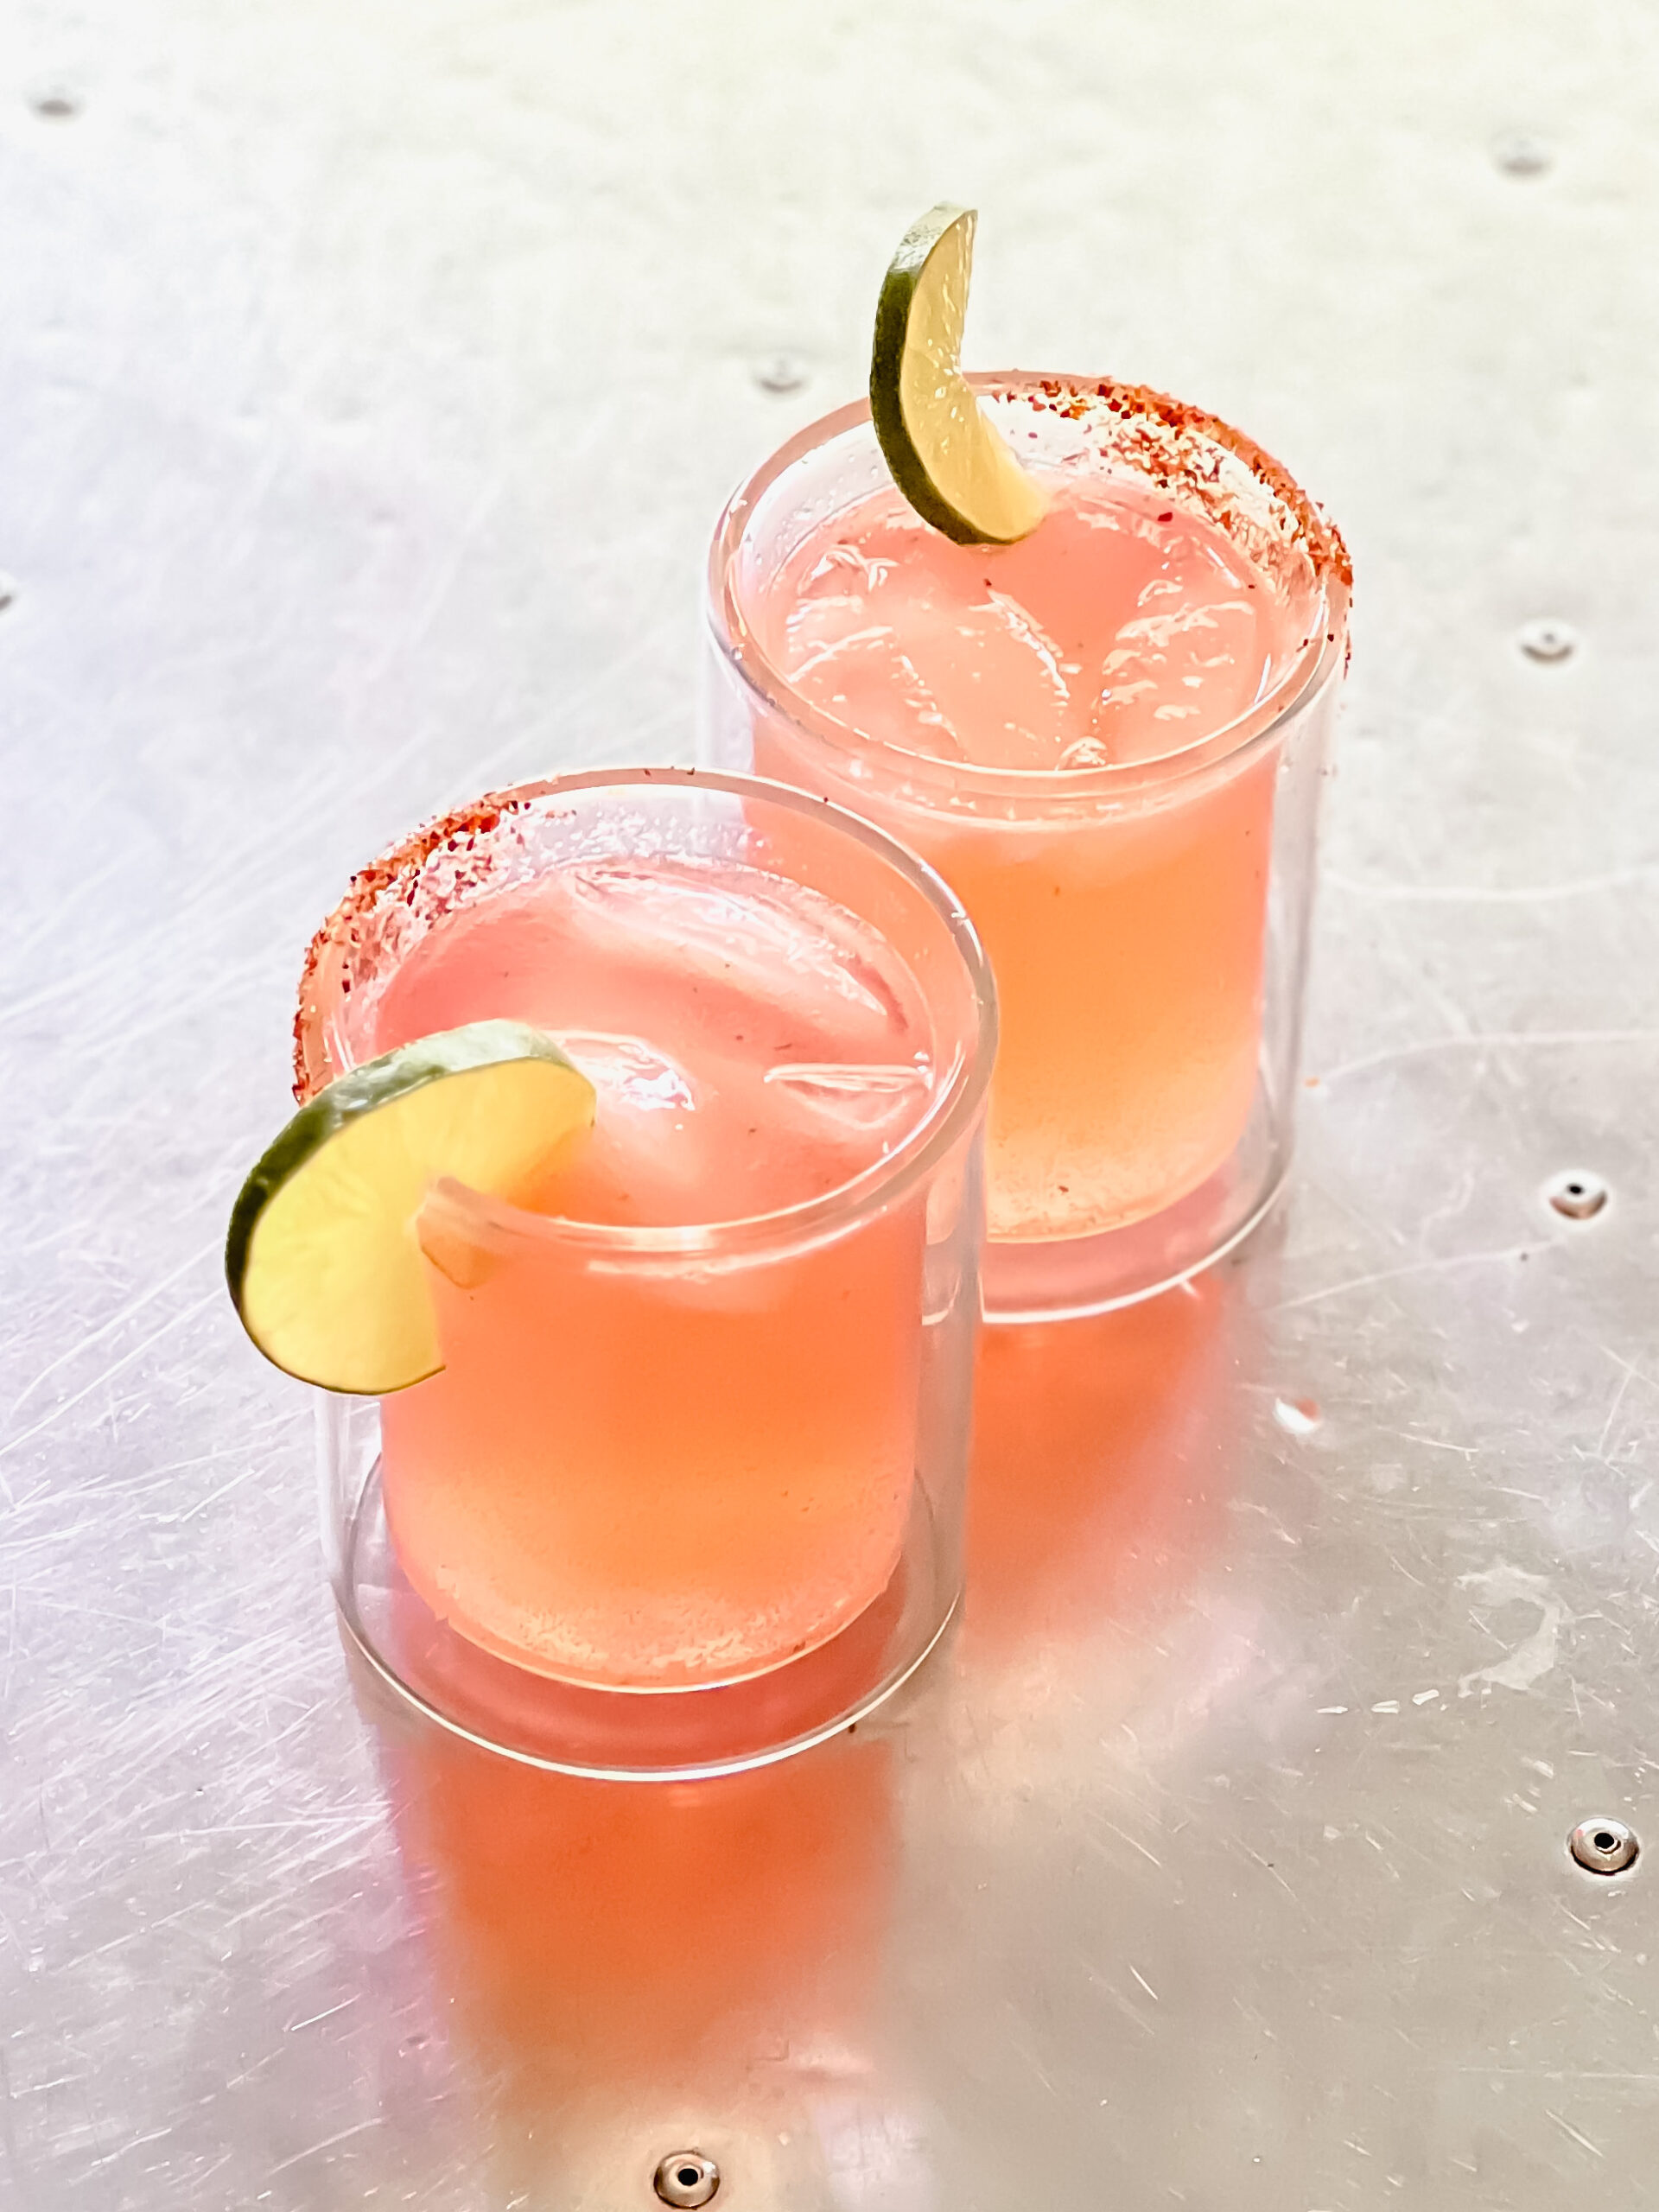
{"x": 946, "y": 455}
{"x": 323, "y": 1257}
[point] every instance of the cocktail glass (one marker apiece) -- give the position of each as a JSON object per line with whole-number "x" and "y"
{"x": 687, "y": 1494}
{"x": 1148, "y": 919}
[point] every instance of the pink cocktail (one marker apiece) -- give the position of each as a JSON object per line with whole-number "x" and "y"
{"x": 1108, "y": 739}
{"x": 696, "y": 1416}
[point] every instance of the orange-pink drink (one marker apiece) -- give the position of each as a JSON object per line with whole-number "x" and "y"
{"x": 1071, "y": 730}
{"x": 1129, "y": 957}
{"x": 674, "y": 1441}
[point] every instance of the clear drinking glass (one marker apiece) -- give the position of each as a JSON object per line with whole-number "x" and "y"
{"x": 1147, "y": 921}
{"x": 683, "y": 1498}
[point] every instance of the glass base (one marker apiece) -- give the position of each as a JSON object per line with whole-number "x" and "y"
{"x": 638, "y": 1735}
{"x": 1057, "y": 1279}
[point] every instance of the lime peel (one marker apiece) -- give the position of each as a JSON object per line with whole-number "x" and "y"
{"x": 946, "y": 455}
{"x": 324, "y": 1254}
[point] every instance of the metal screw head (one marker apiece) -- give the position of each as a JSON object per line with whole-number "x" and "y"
{"x": 780, "y": 373}
{"x": 685, "y": 2178}
{"x": 1577, "y": 1194}
{"x": 1547, "y": 640}
{"x": 1604, "y": 1847}
{"x": 1522, "y": 153}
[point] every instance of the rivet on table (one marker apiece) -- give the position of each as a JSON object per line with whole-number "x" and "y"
{"x": 1601, "y": 1847}
{"x": 686, "y": 2177}
{"x": 1522, "y": 153}
{"x": 780, "y": 373}
{"x": 1547, "y": 639}
{"x": 1577, "y": 1194}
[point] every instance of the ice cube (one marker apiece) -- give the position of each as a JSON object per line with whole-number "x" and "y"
{"x": 863, "y": 677}
{"x": 629, "y": 1073}
{"x": 857, "y": 1103}
{"x": 1087, "y": 752}
{"x": 652, "y": 1152}
{"x": 1191, "y": 656}
{"x": 769, "y": 963}
{"x": 975, "y": 678}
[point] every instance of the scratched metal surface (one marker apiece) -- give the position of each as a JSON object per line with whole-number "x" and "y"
{"x": 369, "y": 378}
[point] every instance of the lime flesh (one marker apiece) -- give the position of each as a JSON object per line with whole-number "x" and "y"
{"x": 323, "y": 1259}
{"x": 946, "y": 455}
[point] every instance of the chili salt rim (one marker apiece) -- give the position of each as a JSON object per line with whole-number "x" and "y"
{"x": 1177, "y": 447}
{"x": 364, "y": 895}
{"x": 1135, "y": 404}
{"x": 963, "y": 1081}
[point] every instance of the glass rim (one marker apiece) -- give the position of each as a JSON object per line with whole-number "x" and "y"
{"x": 1322, "y": 654}
{"x": 949, "y": 1113}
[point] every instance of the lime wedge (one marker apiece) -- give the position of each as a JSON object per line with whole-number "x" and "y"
{"x": 322, "y": 1258}
{"x": 945, "y": 455}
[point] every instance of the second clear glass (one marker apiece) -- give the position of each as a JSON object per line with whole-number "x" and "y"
{"x": 1147, "y": 921}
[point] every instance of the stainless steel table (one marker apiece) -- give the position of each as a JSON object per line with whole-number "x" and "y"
{"x": 369, "y": 377}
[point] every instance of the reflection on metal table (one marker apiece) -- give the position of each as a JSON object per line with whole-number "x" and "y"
{"x": 371, "y": 380}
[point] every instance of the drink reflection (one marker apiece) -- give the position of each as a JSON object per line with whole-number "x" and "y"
{"x": 1104, "y": 1452}
{"x": 635, "y": 1968}
{"x": 727, "y": 1966}
{"x": 1046, "y": 1853}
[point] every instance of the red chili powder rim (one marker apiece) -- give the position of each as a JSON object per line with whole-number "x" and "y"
{"x": 396, "y": 872}
{"x": 1182, "y": 451}
{"x": 1174, "y": 444}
